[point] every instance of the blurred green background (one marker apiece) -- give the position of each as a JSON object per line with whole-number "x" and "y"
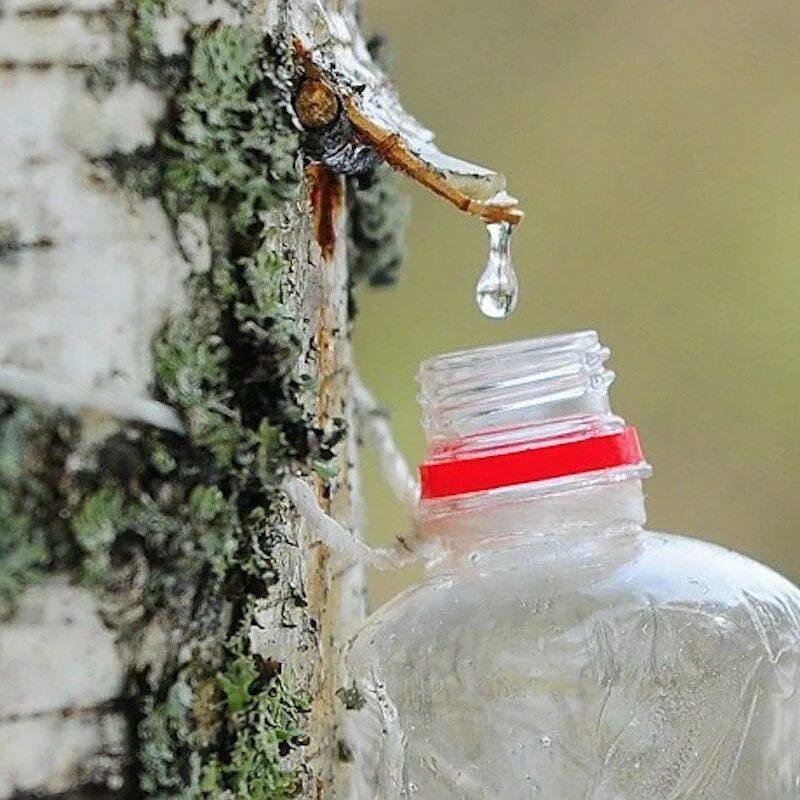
{"x": 656, "y": 149}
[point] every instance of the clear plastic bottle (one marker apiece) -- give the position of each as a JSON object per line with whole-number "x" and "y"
{"x": 557, "y": 650}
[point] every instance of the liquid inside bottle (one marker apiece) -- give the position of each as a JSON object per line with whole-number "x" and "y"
{"x": 557, "y": 648}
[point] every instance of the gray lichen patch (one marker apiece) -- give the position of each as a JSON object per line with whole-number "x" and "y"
{"x": 233, "y": 145}
{"x": 24, "y": 544}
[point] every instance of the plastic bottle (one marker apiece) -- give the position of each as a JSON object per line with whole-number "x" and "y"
{"x": 556, "y": 649}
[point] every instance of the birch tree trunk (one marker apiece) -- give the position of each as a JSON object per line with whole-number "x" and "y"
{"x": 173, "y": 340}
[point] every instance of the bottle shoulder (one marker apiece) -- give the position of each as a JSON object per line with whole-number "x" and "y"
{"x": 596, "y": 577}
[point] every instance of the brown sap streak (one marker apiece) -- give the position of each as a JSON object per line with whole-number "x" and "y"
{"x": 327, "y": 197}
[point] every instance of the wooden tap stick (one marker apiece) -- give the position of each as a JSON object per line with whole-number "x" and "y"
{"x": 396, "y": 154}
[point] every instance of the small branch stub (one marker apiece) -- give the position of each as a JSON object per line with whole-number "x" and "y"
{"x": 316, "y": 104}
{"x": 343, "y": 82}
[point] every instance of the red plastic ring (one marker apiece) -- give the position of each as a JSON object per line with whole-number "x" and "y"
{"x": 462, "y": 476}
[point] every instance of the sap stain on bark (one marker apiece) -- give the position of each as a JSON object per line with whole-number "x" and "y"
{"x": 326, "y": 193}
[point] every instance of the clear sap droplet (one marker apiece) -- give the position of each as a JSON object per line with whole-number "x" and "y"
{"x": 498, "y": 288}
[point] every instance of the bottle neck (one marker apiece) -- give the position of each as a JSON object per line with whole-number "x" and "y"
{"x": 521, "y": 438}
{"x": 510, "y": 516}
{"x": 513, "y": 395}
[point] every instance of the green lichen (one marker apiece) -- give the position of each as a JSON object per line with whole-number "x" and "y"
{"x": 253, "y": 714}
{"x": 135, "y": 54}
{"x": 145, "y": 62}
{"x": 272, "y": 724}
{"x": 189, "y": 360}
{"x": 99, "y": 520}
{"x": 146, "y": 14}
{"x": 28, "y": 546}
{"x": 227, "y": 723}
{"x": 268, "y": 717}
{"x": 232, "y": 145}
{"x": 163, "y": 724}
{"x": 22, "y": 551}
{"x": 351, "y": 697}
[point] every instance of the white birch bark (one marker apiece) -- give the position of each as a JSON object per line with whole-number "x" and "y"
{"x": 88, "y": 274}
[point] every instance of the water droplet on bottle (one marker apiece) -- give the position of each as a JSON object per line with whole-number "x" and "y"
{"x": 497, "y": 289}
